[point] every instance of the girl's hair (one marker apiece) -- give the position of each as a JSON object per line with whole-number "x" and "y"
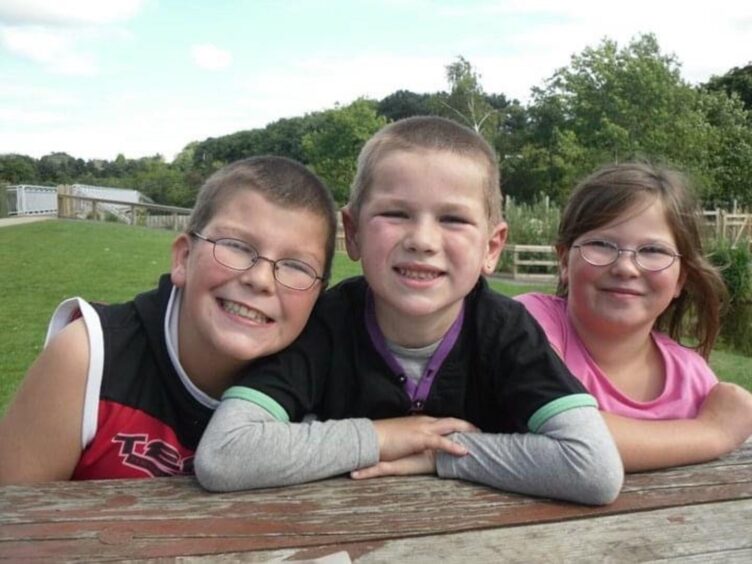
{"x": 428, "y": 133}
{"x": 280, "y": 180}
{"x": 614, "y": 190}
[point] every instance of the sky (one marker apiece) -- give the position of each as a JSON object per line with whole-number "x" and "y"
{"x": 98, "y": 78}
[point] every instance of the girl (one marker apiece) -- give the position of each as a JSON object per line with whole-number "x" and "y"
{"x": 632, "y": 280}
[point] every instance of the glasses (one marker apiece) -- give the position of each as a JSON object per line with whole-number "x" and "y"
{"x": 239, "y": 255}
{"x": 650, "y": 257}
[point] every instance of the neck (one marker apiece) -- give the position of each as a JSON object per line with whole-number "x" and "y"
{"x": 208, "y": 375}
{"x": 631, "y": 362}
{"x": 414, "y": 332}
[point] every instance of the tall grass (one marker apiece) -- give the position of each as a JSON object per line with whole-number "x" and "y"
{"x": 43, "y": 263}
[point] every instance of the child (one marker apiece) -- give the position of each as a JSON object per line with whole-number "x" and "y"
{"x": 126, "y": 390}
{"x": 421, "y": 335}
{"x": 631, "y": 265}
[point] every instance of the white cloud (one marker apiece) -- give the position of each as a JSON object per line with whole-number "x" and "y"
{"x": 58, "y": 12}
{"x": 54, "y": 49}
{"x": 210, "y": 57}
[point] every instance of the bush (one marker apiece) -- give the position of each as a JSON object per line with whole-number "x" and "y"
{"x": 735, "y": 264}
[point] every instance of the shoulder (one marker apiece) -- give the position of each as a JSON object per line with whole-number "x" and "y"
{"x": 679, "y": 355}
{"x": 341, "y": 301}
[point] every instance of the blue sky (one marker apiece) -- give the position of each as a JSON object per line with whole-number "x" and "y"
{"x": 95, "y": 78}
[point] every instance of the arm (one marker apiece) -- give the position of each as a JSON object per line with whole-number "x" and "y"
{"x": 245, "y": 447}
{"x": 723, "y": 424}
{"x": 40, "y": 435}
{"x": 572, "y": 457}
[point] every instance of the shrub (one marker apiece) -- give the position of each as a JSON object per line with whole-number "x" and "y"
{"x": 735, "y": 264}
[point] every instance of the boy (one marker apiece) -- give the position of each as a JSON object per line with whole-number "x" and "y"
{"x": 421, "y": 333}
{"x": 126, "y": 390}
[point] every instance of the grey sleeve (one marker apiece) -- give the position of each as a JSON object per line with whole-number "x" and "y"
{"x": 572, "y": 457}
{"x": 244, "y": 447}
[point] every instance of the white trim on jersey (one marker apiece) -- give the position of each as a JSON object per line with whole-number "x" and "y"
{"x": 171, "y": 337}
{"x": 62, "y": 317}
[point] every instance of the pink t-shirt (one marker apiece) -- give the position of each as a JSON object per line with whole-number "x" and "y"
{"x": 689, "y": 379}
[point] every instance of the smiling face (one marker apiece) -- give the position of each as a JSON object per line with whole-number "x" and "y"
{"x": 424, "y": 239}
{"x": 620, "y": 298}
{"x": 229, "y": 317}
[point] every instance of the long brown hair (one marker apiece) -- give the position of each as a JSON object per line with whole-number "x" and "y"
{"x": 615, "y": 189}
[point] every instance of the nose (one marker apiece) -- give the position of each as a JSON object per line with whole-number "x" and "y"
{"x": 260, "y": 276}
{"x": 626, "y": 262}
{"x": 423, "y": 236}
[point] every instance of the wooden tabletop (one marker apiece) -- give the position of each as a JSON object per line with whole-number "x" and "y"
{"x": 697, "y": 513}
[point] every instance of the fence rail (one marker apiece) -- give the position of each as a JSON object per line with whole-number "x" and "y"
{"x": 533, "y": 262}
{"x": 148, "y": 215}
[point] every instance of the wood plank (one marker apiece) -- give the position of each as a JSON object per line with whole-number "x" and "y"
{"x": 172, "y": 516}
{"x": 717, "y": 532}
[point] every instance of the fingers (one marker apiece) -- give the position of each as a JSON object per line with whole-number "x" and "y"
{"x": 437, "y": 442}
{"x": 449, "y": 425}
{"x": 422, "y": 463}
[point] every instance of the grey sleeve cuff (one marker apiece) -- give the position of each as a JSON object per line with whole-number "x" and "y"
{"x": 245, "y": 447}
{"x": 572, "y": 457}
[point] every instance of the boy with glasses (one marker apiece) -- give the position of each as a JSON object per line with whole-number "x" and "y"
{"x": 125, "y": 391}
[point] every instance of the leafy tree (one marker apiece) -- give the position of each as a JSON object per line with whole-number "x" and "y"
{"x": 18, "y": 169}
{"x": 332, "y": 149}
{"x": 466, "y": 101}
{"x": 736, "y": 81}
{"x": 402, "y": 104}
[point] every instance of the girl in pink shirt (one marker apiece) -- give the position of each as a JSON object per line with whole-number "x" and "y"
{"x": 633, "y": 280}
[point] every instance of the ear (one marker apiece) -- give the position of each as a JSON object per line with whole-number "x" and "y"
{"x": 350, "y": 223}
{"x": 496, "y": 242}
{"x": 181, "y": 247}
{"x": 563, "y": 256}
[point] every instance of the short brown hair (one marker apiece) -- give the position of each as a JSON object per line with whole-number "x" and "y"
{"x": 281, "y": 180}
{"x": 615, "y": 189}
{"x": 428, "y": 133}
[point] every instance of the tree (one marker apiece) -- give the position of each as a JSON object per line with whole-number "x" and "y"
{"x": 18, "y": 169}
{"x": 466, "y": 101}
{"x": 402, "y": 104}
{"x": 612, "y": 104}
{"x": 736, "y": 81}
{"x": 332, "y": 148}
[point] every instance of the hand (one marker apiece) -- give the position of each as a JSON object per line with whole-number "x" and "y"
{"x": 403, "y": 436}
{"x": 728, "y": 408}
{"x": 421, "y": 463}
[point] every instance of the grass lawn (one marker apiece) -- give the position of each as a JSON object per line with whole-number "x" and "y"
{"x": 43, "y": 263}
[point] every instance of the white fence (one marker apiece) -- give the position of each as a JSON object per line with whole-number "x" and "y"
{"x": 26, "y": 199}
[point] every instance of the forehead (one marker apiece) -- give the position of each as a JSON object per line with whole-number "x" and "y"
{"x": 248, "y": 214}
{"x": 646, "y": 218}
{"x": 401, "y": 171}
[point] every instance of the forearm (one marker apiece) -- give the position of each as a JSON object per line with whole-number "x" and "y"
{"x": 244, "y": 447}
{"x": 649, "y": 444}
{"x": 572, "y": 457}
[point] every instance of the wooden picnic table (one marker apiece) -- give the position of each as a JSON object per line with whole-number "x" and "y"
{"x": 697, "y": 513}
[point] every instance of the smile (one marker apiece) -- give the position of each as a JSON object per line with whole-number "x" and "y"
{"x": 245, "y": 312}
{"x": 418, "y": 274}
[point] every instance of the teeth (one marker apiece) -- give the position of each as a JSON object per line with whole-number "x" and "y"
{"x": 418, "y": 274}
{"x": 251, "y": 314}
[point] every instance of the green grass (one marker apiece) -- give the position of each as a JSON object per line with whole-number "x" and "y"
{"x": 43, "y": 263}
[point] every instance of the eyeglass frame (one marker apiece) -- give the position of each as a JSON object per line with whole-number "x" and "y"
{"x": 619, "y": 250}
{"x": 259, "y": 256}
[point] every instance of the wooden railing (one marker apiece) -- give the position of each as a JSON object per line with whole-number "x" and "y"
{"x": 148, "y": 215}
{"x": 533, "y": 262}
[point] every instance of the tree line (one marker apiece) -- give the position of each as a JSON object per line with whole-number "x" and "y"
{"x": 611, "y": 103}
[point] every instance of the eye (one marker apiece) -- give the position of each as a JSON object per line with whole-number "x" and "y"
{"x": 236, "y": 245}
{"x": 397, "y": 214}
{"x": 457, "y": 219}
{"x": 655, "y": 250}
{"x": 297, "y": 266}
{"x": 599, "y": 244}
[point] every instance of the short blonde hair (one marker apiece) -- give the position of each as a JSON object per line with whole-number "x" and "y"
{"x": 428, "y": 133}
